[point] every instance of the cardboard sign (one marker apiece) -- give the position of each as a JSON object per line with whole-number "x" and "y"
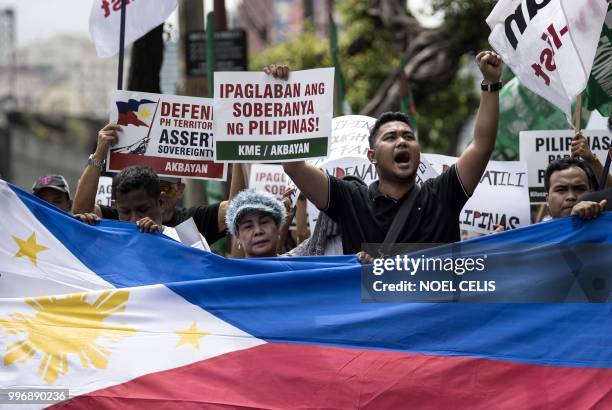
{"x": 105, "y": 189}
{"x": 269, "y": 178}
{"x": 540, "y": 148}
{"x": 261, "y": 119}
{"x": 171, "y": 134}
{"x": 501, "y": 196}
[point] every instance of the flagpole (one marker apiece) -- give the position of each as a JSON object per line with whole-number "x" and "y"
{"x": 578, "y": 113}
{"x": 121, "y": 47}
{"x": 210, "y": 53}
{"x": 339, "y": 79}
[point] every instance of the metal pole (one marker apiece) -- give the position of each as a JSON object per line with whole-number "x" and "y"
{"x": 121, "y": 47}
{"x": 210, "y": 53}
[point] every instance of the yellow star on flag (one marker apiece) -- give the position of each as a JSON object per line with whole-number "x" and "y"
{"x": 28, "y": 248}
{"x": 191, "y": 336}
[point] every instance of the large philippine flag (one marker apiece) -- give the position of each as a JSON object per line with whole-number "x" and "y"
{"x": 129, "y": 320}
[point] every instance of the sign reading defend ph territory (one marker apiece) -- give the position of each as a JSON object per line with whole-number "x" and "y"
{"x": 171, "y": 134}
{"x": 262, "y": 119}
{"x": 540, "y": 148}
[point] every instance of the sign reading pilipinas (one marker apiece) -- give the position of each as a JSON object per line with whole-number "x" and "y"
{"x": 501, "y": 197}
{"x": 262, "y": 119}
{"x": 171, "y": 134}
{"x": 540, "y": 148}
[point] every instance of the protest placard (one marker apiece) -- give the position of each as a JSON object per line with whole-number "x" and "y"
{"x": 501, "y": 196}
{"x": 262, "y": 119}
{"x": 171, "y": 134}
{"x": 105, "y": 189}
{"x": 539, "y": 148}
{"x": 269, "y": 178}
{"x": 349, "y": 137}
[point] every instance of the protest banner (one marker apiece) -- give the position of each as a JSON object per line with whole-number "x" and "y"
{"x": 550, "y": 45}
{"x": 105, "y": 189}
{"x": 269, "y": 178}
{"x": 539, "y": 148}
{"x": 501, "y": 196}
{"x": 262, "y": 119}
{"x": 172, "y": 134}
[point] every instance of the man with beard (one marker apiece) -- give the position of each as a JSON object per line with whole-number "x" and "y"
{"x": 365, "y": 214}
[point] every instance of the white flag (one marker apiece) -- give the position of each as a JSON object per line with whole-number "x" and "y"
{"x": 549, "y": 44}
{"x": 141, "y": 16}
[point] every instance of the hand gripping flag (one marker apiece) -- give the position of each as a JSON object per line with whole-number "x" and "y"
{"x": 136, "y": 320}
{"x": 141, "y": 16}
{"x": 549, "y": 44}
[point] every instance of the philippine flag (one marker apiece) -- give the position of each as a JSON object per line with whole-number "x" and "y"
{"x": 128, "y": 112}
{"x": 124, "y": 319}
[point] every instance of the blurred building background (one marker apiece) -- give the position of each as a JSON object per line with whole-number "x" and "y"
{"x": 269, "y": 22}
{"x": 54, "y": 92}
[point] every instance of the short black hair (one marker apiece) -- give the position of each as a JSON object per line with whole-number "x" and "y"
{"x": 565, "y": 163}
{"x": 385, "y": 118}
{"x": 134, "y": 178}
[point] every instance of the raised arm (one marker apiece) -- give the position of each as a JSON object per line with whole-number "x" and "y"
{"x": 85, "y": 196}
{"x": 310, "y": 180}
{"x": 580, "y": 148}
{"x": 473, "y": 161}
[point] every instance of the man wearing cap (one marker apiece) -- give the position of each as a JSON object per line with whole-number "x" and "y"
{"x": 210, "y": 220}
{"x": 54, "y": 190}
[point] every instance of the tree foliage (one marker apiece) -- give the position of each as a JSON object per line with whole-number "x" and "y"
{"x": 300, "y": 53}
{"x": 376, "y": 36}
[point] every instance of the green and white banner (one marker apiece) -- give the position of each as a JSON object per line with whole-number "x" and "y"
{"x": 599, "y": 88}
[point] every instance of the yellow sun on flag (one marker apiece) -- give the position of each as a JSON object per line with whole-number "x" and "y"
{"x": 144, "y": 112}
{"x": 65, "y": 325}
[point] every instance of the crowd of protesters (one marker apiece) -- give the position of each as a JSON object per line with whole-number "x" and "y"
{"x": 392, "y": 209}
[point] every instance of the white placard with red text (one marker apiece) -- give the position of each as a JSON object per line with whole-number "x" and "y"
{"x": 171, "y": 134}
{"x": 269, "y": 178}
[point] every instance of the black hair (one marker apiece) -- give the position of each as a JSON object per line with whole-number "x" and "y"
{"x": 385, "y": 118}
{"x": 565, "y": 163}
{"x": 134, "y": 178}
